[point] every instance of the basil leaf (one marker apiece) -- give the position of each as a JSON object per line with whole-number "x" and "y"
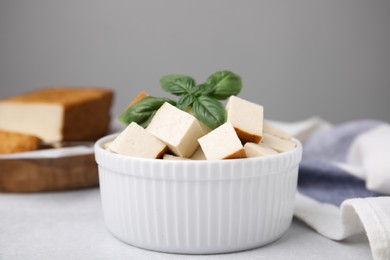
{"x": 209, "y": 111}
{"x": 185, "y": 101}
{"x": 202, "y": 89}
{"x": 143, "y": 111}
{"x": 177, "y": 84}
{"x": 224, "y": 84}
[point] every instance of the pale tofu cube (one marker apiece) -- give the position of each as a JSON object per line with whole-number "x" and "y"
{"x": 173, "y": 157}
{"x": 199, "y": 154}
{"x": 106, "y": 145}
{"x": 278, "y": 144}
{"x": 178, "y": 129}
{"x": 270, "y": 128}
{"x": 222, "y": 143}
{"x": 257, "y": 150}
{"x": 246, "y": 118}
{"x": 136, "y": 141}
{"x": 205, "y": 128}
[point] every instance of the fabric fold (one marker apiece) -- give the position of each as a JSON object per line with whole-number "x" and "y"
{"x": 371, "y": 152}
{"x": 343, "y": 180}
{"x": 369, "y": 215}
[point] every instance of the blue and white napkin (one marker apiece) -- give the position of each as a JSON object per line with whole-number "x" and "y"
{"x": 344, "y": 180}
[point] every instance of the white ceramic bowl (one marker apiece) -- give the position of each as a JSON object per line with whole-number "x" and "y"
{"x": 197, "y": 207}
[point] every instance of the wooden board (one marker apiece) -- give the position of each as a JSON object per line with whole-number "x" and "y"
{"x": 48, "y": 174}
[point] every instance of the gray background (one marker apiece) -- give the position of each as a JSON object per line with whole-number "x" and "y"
{"x": 297, "y": 58}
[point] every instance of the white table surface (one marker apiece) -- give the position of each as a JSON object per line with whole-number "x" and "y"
{"x": 69, "y": 225}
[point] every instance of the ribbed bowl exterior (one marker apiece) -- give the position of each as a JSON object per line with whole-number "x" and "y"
{"x": 197, "y": 207}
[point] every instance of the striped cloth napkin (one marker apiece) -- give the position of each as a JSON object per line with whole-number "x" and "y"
{"x": 344, "y": 180}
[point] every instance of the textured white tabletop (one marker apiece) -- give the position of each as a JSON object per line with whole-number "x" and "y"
{"x": 69, "y": 225}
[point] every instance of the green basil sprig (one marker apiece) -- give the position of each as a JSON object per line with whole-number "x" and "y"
{"x": 178, "y": 84}
{"x": 224, "y": 84}
{"x": 209, "y": 111}
{"x": 143, "y": 111}
{"x": 202, "y": 100}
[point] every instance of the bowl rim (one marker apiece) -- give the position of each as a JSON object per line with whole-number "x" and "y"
{"x": 98, "y": 148}
{"x": 204, "y": 170}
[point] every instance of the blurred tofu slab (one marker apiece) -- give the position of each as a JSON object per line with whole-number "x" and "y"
{"x": 59, "y": 113}
{"x": 13, "y": 142}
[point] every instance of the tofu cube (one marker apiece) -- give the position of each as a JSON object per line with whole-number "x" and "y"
{"x": 278, "y": 144}
{"x": 136, "y": 141}
{"x": 271, "y": 129}
{"x": 246, "y": 118}
{"x": 173, "y": 157}
{"x": 222, "y": 143}
{"x": 257, "y": 150}
{"x": 140, "y": 96}
{"x": 198, "y": 155}
{"x": 106, "y": 145}
{"x": 204, "y": 127}
{"x": 178, "y": 129}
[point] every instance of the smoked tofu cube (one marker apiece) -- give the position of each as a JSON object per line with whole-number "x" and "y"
{"x": 271, "y": 129}
{"x": 199, "y": 154}
{"x": 178, "y": 129}
{"x": 222, "y": 143}
{"x": 257, "y": 150}
{"x": 278, "y": 144}
{"x": 140, "y": 96}
{"x": 246, "y": 118}
{"x": 136, "y": 141}
{"x": 173, "y": 157}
